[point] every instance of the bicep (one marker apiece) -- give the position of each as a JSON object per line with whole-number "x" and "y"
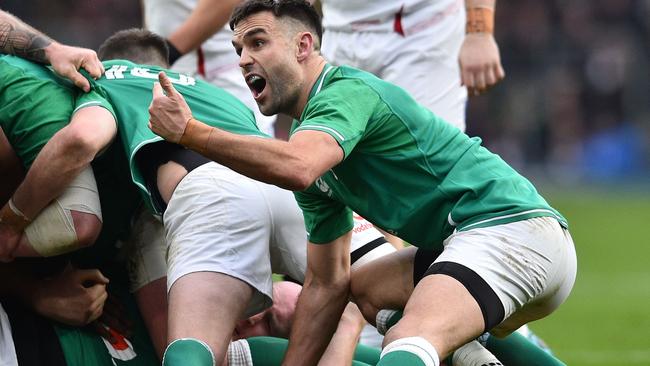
{"x": 320, "y": 149}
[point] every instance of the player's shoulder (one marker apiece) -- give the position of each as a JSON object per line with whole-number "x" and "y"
{"x": 341, "y": 82}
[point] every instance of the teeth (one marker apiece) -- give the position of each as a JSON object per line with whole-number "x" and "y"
{"x": 253, "y": 78}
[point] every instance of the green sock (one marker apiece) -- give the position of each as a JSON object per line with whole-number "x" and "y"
{"x": 267, "y": 351}
{"x": 359, "y": 363}
{"x": 368, "y": 355}
{"x": 188, "y": 352}
{"x": 516, "y": 349}
{"x": 400, "y": 358}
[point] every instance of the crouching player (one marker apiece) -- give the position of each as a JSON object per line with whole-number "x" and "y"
{"x": 225, "y": 233}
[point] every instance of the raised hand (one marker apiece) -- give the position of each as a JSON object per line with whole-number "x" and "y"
{"x": 168, "y": 111}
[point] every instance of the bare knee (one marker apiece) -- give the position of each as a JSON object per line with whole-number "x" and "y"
{"x": 87, "y": 226}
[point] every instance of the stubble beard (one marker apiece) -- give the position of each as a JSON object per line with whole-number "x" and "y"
{"x": 284, "y": 97}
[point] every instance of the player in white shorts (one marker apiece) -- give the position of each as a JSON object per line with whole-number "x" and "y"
{"x": 225, "y": 233}
{"x": 199, "y": 41}
{"x": 218, "y": 222}
{"x": 416, "y": 44}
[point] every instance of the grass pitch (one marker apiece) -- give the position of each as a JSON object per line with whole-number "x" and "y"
{"x": 606, "y": 320}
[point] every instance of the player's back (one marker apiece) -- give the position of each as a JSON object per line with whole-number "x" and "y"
{"x": 128, "y": 87}
{"x": 126, "y": 90}
{"x": 34, "y": 105}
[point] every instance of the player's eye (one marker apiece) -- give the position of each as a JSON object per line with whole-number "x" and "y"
{"x": 258, "y": 43}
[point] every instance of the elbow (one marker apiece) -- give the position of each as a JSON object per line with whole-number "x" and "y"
{"x": 300, "y": 179}
{"x": 299, "y": 184}
{"x": 80, "y": 143}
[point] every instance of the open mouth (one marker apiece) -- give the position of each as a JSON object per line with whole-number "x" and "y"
{"x": 257, "y": 84}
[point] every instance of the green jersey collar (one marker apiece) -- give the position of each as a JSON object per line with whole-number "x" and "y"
{"x": 321, "y": 80}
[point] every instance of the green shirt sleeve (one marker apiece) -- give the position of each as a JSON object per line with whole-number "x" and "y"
{"x": 341, "y": 110}
{"x": 325, "y": 219}
{"x": 95, "y": 97}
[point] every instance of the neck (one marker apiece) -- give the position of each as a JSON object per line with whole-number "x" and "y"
{"x": 313, "y": 69}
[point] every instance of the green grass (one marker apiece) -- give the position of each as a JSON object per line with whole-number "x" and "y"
{"x": 606, "y": 320}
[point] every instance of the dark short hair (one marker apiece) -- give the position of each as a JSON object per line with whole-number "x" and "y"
{"x": 136, "y": 45}
{"x": 299, "y": 10}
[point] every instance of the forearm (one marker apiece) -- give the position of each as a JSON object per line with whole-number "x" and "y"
{"x": 480, "y": 16}
{"x": 18, "y": 38}
{"x": 64, "y": 156}
{"x": 52, "y": 171}
{"x": 341, "y": 348}
{"x": 267, "y": 160}
{"x": 206, "y": 19}
{"x": 315, "y": 321}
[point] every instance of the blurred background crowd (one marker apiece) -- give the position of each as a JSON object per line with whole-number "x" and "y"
{"x": 575, "y": 104}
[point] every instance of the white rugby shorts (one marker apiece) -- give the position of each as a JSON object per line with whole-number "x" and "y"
{"x": 221, "y": 221}
{"x": 423, "y": 61}
{"x": 530, "y": 265}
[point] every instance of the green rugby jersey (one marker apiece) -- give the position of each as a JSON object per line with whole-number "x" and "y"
{"x": 404, "y": 169}
{"x": 126, "y": 90}
{"x": 34, "y": 105}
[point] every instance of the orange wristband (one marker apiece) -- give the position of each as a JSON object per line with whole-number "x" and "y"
{"x": 479, "y": 20}
{"x": 196, "y": 136}
{"x": 12, "y": 217}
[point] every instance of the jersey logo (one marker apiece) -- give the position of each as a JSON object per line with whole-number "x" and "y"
{"x": 119, "y": 348}
{"x": 117, "y": 72}
{"x": 324, "y": 187}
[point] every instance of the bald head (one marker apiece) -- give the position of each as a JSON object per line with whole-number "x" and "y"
{"x": 275, "y": 321}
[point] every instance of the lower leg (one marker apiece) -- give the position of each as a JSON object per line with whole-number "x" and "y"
{"x": 440, "y": 316}
{"x": 152, "y": 302}
{"x": 205, "y": 306}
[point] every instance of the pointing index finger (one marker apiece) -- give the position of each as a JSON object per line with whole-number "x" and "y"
{"x": 166, "y": 84}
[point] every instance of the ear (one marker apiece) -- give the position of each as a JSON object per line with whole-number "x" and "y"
{"x": 305, "y": 46}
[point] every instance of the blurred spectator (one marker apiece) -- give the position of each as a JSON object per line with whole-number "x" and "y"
{"x": 577, "y": 71}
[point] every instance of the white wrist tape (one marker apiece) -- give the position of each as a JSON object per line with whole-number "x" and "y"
{"x": 52, "y": 232}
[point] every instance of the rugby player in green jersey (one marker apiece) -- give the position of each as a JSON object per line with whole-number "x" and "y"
{"x": 34, "y": 106}
{"x": 225, "y": 232}
{"x": 507, "y": 257}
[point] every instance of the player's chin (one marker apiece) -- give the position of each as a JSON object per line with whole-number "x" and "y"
{"x": 268, "y": 108}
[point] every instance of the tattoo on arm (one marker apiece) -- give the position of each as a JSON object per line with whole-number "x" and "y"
{"x": 18, "y": 39}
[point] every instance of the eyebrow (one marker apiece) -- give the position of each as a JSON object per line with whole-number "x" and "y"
{"x": 250, "y": 33}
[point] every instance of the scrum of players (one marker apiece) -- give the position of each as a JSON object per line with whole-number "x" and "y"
{"x": 144, "y": 210}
